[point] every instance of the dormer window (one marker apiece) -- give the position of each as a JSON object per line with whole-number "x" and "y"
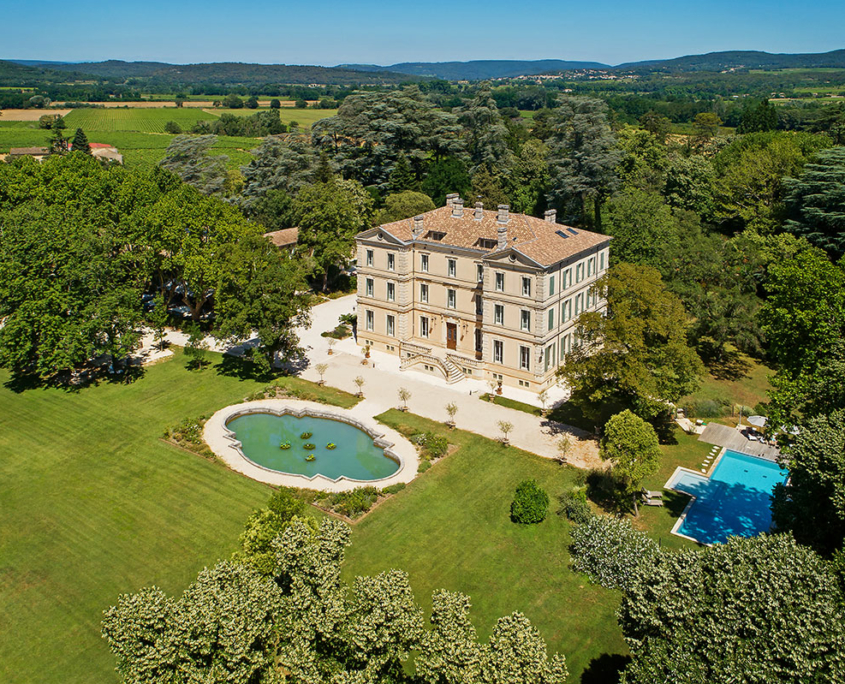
{"x": 436, "y": 235}
{"x": 483, "y": 243}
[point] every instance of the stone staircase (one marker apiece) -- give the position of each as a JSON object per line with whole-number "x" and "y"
{"x": 451, "y": 372}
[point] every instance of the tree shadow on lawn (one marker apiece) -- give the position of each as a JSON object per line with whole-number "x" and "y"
{"x": 732, "y": 366}
{"x": 76, "y": 381}
{"x": 242, "y": 369}
{"x": 606, "y": 669}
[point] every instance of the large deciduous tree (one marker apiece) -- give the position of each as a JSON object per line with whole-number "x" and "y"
{"x": 485, "y": 134}
{"x": 583, "y": 155}
{"x": 329, "y": 215}
{"x": 261, "y": 290}
{"x": 763, "y": 610}
{"x": 631, "y": 446}
{"x": 403, "y": 205}
{"x": 636, "y": 355}
{"x": 278, "y": 165}
{"x": 188, "y": 157}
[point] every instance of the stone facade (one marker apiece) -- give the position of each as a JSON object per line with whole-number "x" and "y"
{"x": 474, "y": 293}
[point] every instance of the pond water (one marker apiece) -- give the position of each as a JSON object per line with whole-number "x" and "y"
{"x": 355, "y": 456}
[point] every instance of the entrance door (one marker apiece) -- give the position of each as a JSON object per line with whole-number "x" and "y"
{"x": 451, "y": 336}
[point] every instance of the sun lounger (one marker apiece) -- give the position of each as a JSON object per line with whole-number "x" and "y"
{"x": 653, "y": 502}
{"x": 648, "y": 493}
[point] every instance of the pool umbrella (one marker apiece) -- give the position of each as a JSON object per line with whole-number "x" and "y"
{"x": 757, "y": 421}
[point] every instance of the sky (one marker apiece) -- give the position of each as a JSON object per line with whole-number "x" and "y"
{"x": 332, "y": 32}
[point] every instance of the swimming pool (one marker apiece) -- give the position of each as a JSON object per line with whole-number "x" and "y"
{"x": 733, "y": 501}
{"x": 332, "y": 448}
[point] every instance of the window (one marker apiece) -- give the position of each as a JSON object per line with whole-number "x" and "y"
{"x": 424, "y": 293}
{"x": 551, "y": 285}
{"x": 500, "y": 282}
{"x": 479, "y": 340}
{"x": 451, "y": 298}
{"x": 579, "y": 273}
{"x": 499, "y": 318}
{"x": 391, "y": 325}
{"x": 566, "y": 311}
{"x": 601, "y": 261}
{"x": 452, "y": 267}
{"x": 526, "y": 287}
{"x": 525, "y": 320}
{"x": 479, "y": 273}
{"x": 370, "y": 257}
{"x": 551, "y": 319}
{"x": 525, "y": 358}
{"x": 567, "y": 278}
{"x": 579, "y": 303}
{"x": 391, "y": 262}
{"x": 424, "y": 263}
{"x": 391, "y": 292}
{"x": 550, "y": 356}
{"x": 498, "y": 351}
{"x": 589, "y": 299}
{"x": 370, "y": 287}
{"x": 591, "y": 264}
{"x": 563, "y": 342}
{"x": 423, "y": 326}
{"x": 479, "y": 305}
{"x": 370, "y": 319}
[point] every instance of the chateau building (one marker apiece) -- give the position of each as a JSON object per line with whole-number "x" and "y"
{"x": 477, "y": 293}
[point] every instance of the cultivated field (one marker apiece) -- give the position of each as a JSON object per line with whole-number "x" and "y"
{"x": 304, "y": 117}
{"x": 29, "y": 114}
{"x": 139, "y": 120}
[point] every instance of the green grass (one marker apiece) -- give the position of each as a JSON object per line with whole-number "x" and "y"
{"x": 138, "y": 149}
{"x": 95, "y": 504}
{"x": 152, "y": 120}
{"x": 451, "y": 529}
{"x": 304, "y": 117}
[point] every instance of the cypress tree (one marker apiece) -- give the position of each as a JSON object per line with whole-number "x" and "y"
{"x": 80, "y": 142}
{"x": 58, "y": 142}
{"x": 402, "y": 177}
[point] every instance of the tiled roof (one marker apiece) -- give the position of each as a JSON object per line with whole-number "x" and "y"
{"x": 284, "y": 237}
{"x": 535, "y": 238}
{"x": 35, "y": 151}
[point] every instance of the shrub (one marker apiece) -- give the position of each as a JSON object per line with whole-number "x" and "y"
{"x": 761, "y": 409}
{"x": 424, "y": 465}
{"x": 530, "y": 503}
{"x": 355, "y": 502}
{"x": 433, "y": 446}
{"x": 308, "y": 446}
{"x": 393, "y": 489}
{"x": 305, "y": 435}
{"x": 609, "y": 550}
{"x": 574, "y": 506}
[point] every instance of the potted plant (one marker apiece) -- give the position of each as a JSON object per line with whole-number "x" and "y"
{"x": 451, "y": 410}
{"x": 506, "y": 428}
{"x": 499, "y": 387}
{"x": 332, "y": 342}
{"x": 365, "y": 352}
{"x": 359, "y": 383}
{"x": 321, "y": 369}
{"x": 404, "y": 396}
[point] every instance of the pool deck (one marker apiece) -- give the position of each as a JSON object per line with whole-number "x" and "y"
{"x": 733, "y": 439}
{"x": 221, "y": 442}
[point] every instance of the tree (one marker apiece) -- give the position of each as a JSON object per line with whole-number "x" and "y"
{"x": 445, "y": 177}
{"x": 811, "y": 504}
{"x": 644, "y": 160}
{"x": 644, "y": 229}
{"x": 706, "y": 126}
{"x": 582, "y": 157}
{"x": 506, "y": 428}
{"x": 404, "y": 397}
{"x": 173, "y": 128}
{"x": 761, "y": 117}
{"x": 359, "y": 383}
{"x": 275, "y": 104}
{"x": 321, "y": 369}
{"x": 659, "y": 126}
{"x": 158, "y": 319}
{"x": 232, "y": 101}
{"x": 188, "y": 157}
{"x": 449, "y": 651}
{"x": 690, "y": 185}
{"x": 451, "y": 411}
{"x": 816, "y": 202}
{"x": 763, "y": 609}
{"x": 80, "y": 142}
{"x": 283, "y": 165}
{"x": 264, "y": 526}
{"x": 487, "y": 188}
{"x": 530, "y": 503}
{"x": 259, "y": 289}
{"x": 564, "y": 447}
{"x": 402, "y": 177}
{"x": 527, "y": 184}
{"x": 631, "y": 446}
{"x": 251, "y": 103}
{"x": 58, "y": 142}
{"x": 517, "y": 653}
{"x": 329, "y": 216}
{"x": 803, "y": 318}
{"x": 403, "y": 205}
{"x": 197, "y": 348}
{"x": 636, "y": 355}
{"x": 485, "y": 134}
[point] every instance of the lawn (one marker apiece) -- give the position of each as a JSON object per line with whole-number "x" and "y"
{"x": 451, "y": 529}
{"x": 94, "y": 504}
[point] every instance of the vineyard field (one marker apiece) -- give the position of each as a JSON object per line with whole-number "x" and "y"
{"x": 138, "y": 120}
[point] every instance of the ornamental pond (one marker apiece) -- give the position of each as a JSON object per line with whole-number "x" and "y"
{"x": 312, "y": 446}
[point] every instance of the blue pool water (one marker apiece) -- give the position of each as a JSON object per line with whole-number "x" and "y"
{"x": 733, "y": 501}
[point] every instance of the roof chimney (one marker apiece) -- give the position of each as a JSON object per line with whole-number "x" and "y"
{"x": 502, "y": 235}
{"x": 504, "y": 210}
{"x": 451, "y": 197}
{"x": 457, "y": 207}
{"x": 551, "y": 216}
{"x": 479, "y": 211}
{"x": 418, "y": 226}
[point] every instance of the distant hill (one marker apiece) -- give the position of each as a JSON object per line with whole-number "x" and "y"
{"x": 478, "y": 70}
{"x": 735, "y": 59}
{"x": 226, "y": 73}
